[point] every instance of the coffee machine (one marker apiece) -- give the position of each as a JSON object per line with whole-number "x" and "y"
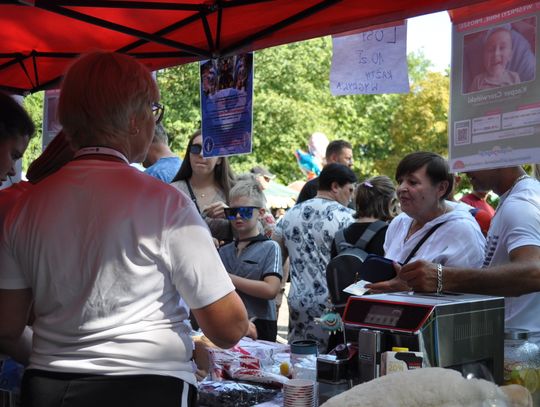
{"x": 464, "y": 332}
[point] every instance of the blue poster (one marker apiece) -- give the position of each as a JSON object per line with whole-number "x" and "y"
{"x": 226, "y": 105}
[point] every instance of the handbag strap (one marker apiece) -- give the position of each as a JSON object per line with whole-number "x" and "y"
{"x": 192, "y": 194}
{"x": 421, "y": 242}
{"x": 339, "y": 239}
{"x": 363, "y": 240}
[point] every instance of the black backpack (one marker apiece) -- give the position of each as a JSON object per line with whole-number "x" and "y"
{"x": 341, "y": 271}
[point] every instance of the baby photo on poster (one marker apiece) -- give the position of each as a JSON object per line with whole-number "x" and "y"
{"x": 502, "y": 55}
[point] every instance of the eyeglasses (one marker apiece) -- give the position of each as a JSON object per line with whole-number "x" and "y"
{"x": 195, "y": 149}
{"x": 246, "y": 212}
{"x": 158, "y": 109}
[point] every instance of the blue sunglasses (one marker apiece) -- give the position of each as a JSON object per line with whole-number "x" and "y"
{"x": 245, "y": 212}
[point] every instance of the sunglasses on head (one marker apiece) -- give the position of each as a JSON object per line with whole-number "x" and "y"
{"x": 245, "y": 212}
{"x": 195, "y": 149}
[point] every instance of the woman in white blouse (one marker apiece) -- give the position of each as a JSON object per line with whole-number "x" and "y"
{"x": 430, "y": 227}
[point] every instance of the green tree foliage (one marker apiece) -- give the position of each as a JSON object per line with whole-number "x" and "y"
{"x": 402, "y": 123}
{"x": 179, "y": 88}
{"x": 292, "y": 100}
{"x": 419, "y": 121}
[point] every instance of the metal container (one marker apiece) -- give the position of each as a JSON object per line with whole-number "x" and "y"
{"x": 331, "y": 370}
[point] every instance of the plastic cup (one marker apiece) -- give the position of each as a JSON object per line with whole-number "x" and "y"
{"x": 300, "y": 393}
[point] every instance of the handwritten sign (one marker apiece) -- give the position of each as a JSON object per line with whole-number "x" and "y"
{"x": 370, "y": 62}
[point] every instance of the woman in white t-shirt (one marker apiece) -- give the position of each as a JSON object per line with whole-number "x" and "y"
{"x": 430, "y": 227}
{"x": 111, "y": 258}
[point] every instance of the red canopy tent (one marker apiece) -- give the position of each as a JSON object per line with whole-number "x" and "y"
{"x": 40, "y": 37}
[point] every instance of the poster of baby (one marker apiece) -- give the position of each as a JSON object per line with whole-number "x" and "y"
{"x": 495, "y": 95}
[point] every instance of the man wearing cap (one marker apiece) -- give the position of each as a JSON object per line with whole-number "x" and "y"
{"x": 263, "y": 176}
{"x": 338, "y": 151}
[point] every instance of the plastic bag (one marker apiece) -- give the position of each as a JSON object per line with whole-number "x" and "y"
{"x": 239, "y": 364}
{"x": 221, "y": 361}
{"x": 233, "y": 394}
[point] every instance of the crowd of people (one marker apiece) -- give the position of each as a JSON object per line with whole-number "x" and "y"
{"x": 107, "y": 269}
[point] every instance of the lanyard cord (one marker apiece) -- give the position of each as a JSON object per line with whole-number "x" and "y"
{"x": 101, "y": 151}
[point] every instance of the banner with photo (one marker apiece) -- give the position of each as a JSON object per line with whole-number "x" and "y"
{"x": 226, "y": 105}
{"x": 495, "y": 93}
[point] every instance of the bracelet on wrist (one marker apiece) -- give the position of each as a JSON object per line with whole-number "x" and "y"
{"x": 439, "y": 278}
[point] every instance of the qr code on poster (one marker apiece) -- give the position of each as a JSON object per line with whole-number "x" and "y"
{"x": 462, "y": 133}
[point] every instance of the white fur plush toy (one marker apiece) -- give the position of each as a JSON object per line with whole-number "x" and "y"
{"x": 431, "y": 387}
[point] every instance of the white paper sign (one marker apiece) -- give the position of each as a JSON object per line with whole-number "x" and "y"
{"x": 370, "y": 62}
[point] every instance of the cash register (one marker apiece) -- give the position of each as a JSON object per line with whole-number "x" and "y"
{"x": 464, "y": 332}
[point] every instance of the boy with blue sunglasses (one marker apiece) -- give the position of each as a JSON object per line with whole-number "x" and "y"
{"x": 253, "y": 260}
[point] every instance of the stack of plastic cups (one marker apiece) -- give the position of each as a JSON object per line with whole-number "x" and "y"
{"x": 304, "y": 359}
{"x": 303, "y": 389}
{"x": 300, "y": 393}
